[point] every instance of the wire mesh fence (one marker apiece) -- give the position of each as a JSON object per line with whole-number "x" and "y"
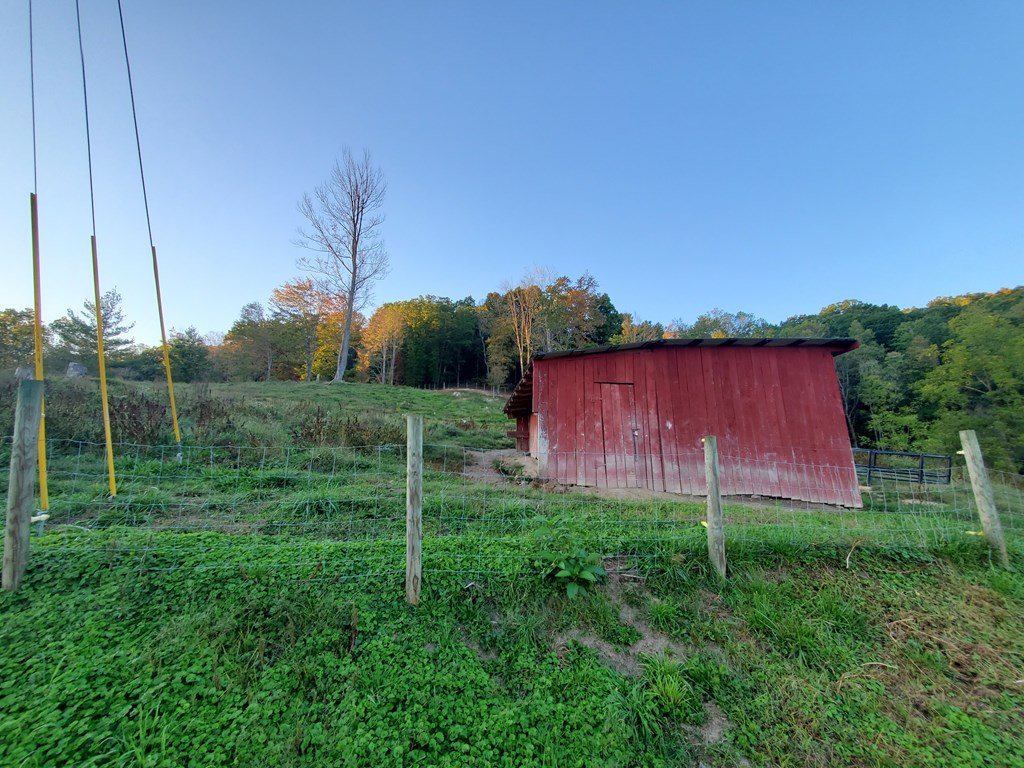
{"x": 227, "y": 506}
{"x": 339, "y": 512}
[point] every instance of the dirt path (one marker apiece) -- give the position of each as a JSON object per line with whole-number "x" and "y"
{"x": 482, "y": 466}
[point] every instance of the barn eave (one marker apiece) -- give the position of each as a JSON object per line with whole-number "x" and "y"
{"x": 520, "y": 402}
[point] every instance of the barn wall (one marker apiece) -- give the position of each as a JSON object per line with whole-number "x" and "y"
{"x": 636, "y": 418}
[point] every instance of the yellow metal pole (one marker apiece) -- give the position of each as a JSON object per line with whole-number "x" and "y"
{"x": 167, "y": 358}
{"x": 103, "y": 367}
{"x": 44, "y": 494}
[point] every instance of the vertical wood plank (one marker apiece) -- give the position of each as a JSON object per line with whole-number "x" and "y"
{"x": 774, "y": 450}
{"x": 641, "y": 387}
{"x": 21, "y": 482}
{"x": 791, "y": 378}
{"x": 555, "y": 388}
{"x": 636, "y": 420}
{"x": 568, "y": 399}
{"x": 694, "y": 419}
{"x": 720, "y": 412}
{"x": 631, "y": 430}
{"x": 579, "y": 443}
{"x": 594, "y": 468}
{"x": 812, "y": 470}
{"x": 735, "y": 394}
{"x": 821, "y": 455}
{"x": 756, "y": 407}
{"x": 652, "y": 422}
{"x": 662, "y": 367}
{"x": 564, "y": 405}
{"x": 413, "y": 508}
{"x": 716, "y": 526}
{"x": 611, "y": 415}
{"x": 713, "y": 425}
{"x": 788, "y": 454}
{"x": 983, "y": 496}
{"x": 554, "y": 423}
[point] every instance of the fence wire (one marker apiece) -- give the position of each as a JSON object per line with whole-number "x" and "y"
{"x": 339, "y": 512}
{"x": 195, "y": 505}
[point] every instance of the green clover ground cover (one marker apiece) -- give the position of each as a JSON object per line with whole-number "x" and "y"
{"x": 224, "y": 651}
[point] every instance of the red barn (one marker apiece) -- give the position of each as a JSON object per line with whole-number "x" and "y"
{"x": 632, "y": 416}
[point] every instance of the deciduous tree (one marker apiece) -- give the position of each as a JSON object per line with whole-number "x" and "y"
{"x": 344, "y": 221}
{"x": 250, "y": 345}
{"x": 17, "y": 338}
{"x": 719, "y": 324}
{"x": 304, "y": 305}
{"x": 634, "y": 330}
{"x": 189, "y": 355}
{"x": 525, "y": 303}
{"x": 381, "y": 342}
{"x": 571, "y": 313}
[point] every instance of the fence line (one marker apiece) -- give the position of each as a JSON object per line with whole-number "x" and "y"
{"x": 339, "y": 513}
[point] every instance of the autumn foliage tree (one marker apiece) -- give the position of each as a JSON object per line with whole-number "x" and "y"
{"x": 634, "y": 330}
{"x": 542, "y": 314}
{"x": 304, "y": 306}
{"x": 382, "y": 340}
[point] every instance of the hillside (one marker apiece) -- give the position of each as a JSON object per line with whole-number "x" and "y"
{"x": 244, "y": 606}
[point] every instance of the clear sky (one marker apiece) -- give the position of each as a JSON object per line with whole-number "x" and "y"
{"x": 770, "y": 157}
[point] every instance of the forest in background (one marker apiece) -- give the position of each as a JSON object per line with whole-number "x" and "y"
{"x": 919, "y": 376}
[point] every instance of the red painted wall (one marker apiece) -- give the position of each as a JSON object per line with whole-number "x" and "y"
{"x": 635, "y": 419}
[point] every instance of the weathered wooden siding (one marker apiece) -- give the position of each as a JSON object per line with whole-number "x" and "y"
{"x": 635, "y": 418}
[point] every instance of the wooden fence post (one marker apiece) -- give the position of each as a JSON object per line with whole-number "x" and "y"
{"x": 21, "y": 481}
{"x": 716, "y": 526}
{"x": 413, "y": 508}
{"x": 983, "y": 496}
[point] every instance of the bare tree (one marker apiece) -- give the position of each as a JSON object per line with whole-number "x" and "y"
{"x": 344, "y": 220}
{"x": 524, "y": 308}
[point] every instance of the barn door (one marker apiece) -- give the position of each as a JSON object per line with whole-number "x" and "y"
{"x": 623, "y": 443}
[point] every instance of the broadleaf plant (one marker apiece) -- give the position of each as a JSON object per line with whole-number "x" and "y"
{"x": 560, "y": 558}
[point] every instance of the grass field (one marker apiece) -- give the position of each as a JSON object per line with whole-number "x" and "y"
{"x": 245, "y": 607}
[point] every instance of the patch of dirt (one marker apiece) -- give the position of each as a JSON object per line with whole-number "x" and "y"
{"x": 714, "y": 728}
{"x": 484, "y": 657}
{"x": 481, "y": 466}
{"x": 651, "y": 642}
{"x": 622, "y": 662}
{"x": 493, "y": 394}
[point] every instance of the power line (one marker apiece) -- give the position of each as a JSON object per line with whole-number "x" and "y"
{"x": 85, "y": 98}
{"x": 32, "y": 79}
{"x": 135, "y": 120}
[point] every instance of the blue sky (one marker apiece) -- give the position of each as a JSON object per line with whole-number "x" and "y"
{"x": 770, "y": 157}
